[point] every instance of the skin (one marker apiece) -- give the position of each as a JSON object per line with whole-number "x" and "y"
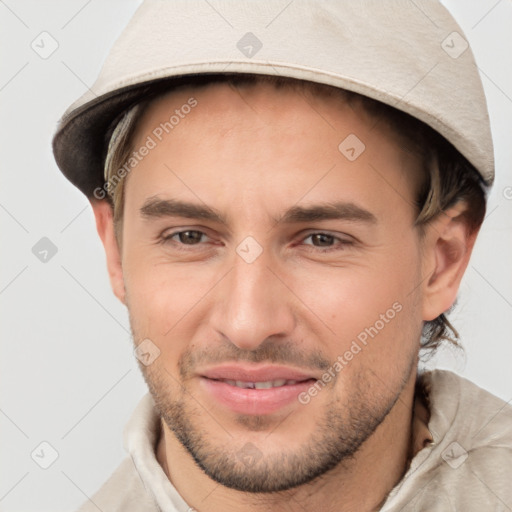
{"x": 252, "y": 154}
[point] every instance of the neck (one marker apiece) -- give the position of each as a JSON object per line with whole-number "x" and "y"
{"x": 362, "y": 483}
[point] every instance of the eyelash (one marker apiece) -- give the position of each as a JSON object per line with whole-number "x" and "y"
{"x": 164, "y": 239}
{"x": 339, "y": 244}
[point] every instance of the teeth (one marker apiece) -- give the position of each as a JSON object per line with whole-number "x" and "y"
{"x": 278, "y": 383}
{"x": 260, "y": 385}
{"x": 245, "y": 385}
{"x": 264, "y": 385}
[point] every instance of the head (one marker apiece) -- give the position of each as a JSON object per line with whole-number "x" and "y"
{"x": 282, "y": 224}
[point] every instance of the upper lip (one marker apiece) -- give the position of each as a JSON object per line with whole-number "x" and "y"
{"x": 247, "y": 373}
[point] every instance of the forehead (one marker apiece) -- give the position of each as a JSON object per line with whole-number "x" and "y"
{"x": 281, "y": 141}
{"x": 247, "y": 97}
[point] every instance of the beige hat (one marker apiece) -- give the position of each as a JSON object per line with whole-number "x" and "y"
{"x": 410, "y": 54}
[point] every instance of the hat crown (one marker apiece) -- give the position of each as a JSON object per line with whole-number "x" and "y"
{"x": 410, "y": 55}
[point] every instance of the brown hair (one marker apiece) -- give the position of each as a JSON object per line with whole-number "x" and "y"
{"x": 447, "y": 178}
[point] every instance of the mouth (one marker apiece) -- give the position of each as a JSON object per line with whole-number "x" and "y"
{"x": 269, "y": 384}
{"x": 255, "y": 390}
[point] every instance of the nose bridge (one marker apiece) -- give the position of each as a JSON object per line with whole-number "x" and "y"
{"x": 251, "y": 306}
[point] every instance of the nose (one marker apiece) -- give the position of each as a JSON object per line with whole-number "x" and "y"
{"x": 252, "y": 304}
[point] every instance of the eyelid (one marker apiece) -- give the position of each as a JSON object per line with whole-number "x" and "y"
{"x": 166, "y": 235}
{"x": 177, "y": 233}
{"x": 341, "y": 242}
{"x": 179, "y": 228}
{"x": 173, "y": 232}
{"x": 342, "y": 237}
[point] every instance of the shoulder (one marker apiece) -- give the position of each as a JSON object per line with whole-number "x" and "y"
{"x": 470, "y": 464}
{"x": 461, "y": 410}
{"x": 123, "y": 491}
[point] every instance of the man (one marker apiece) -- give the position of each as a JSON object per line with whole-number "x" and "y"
{"x": 287, "y": 220}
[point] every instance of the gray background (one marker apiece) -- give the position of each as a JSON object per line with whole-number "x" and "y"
{"x": 67, "y": 368}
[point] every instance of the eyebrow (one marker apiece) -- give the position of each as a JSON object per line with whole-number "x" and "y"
{"x": 329, "y": 211}
{"x": 155, "y": 207}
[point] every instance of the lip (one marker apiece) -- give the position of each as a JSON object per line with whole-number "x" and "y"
{"x": 250, "y": 373}
{"x": 254, "y": 401}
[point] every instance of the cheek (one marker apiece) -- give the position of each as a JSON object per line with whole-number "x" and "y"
{"x": 164, "y": 300}
{"x": 375, "y": 304}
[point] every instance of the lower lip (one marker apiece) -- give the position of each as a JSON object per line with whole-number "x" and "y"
{"x": 254, "y": 401}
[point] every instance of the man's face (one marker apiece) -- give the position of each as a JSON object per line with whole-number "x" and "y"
{"x": 259, "y": 257}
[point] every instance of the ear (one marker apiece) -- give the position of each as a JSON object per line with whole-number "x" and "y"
{"x": 105, "y": 227}
{"x": 447, "y": 248}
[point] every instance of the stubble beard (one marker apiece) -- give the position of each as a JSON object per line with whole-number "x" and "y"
{"x": 339, "y": 433}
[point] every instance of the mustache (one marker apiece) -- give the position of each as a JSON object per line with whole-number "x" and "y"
{"x": 269, "y": 351}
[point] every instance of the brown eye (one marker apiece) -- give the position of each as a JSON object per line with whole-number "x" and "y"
{"x": 190, "y": 237}
{"x": 322, "y": 240}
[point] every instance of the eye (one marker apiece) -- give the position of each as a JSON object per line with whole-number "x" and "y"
{"x": 188, "y": 237}
{"x": 326, "y": 242}
{"x": 321, "y": 240}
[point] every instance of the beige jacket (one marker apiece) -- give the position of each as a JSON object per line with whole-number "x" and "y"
{"x": 468, "y": 467}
